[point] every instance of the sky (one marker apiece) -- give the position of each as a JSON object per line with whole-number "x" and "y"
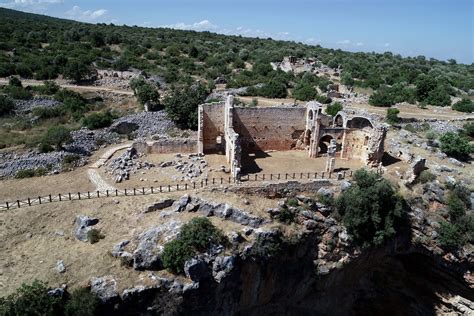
{"x": 441, "y": 29}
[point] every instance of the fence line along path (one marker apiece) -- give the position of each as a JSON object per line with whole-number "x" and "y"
{"x": 106, "y": 191}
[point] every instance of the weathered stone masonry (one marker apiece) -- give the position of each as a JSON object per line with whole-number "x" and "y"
{"x": 224, "y": 128}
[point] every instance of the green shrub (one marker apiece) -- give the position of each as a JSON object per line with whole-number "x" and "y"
{"x": 82, "y": 303}
{"x": 323, "y": 99}
{"x": 46, "y": 113}
{"x": 175, "y": 254}
{"x": 381, "y": 98}
{"x": 332, "y": 109}
{"x": 94, "y": 236}
{"x": 6, "y": 105}
{"x": 468, "y": 129}
{"x": 30, "y": 299}
{"x": 57, "y": 136}
{"x": 304, "y": 92}
{"x": 426, "y": 176}
{"x": 326, "y": 200}
{"x": 70, "y": 159}
{"x": 98, "y": 120}
{"x": 287, "y": 215}
{"x": 145, "y": 91}
{"x": 292, "y": 202}
{"x": 456, "y": 208}
{"x": 410, "y": 128}
{"x": 30, "y": 173}
{"x": 455, "y": 145}
{"x": 431, "y": 135}
{"x": 464, "y": 105}
{"x": 45, "y": 148}
{"x": 182, "y": 105}
{"x": 48, "y": 88}
{"x": 392, "y": 116}
{"x": 18, "y": 93}
{"x": 196, "y": 236}
{"x": 370, "y": 209}
{"x": 450, "y": 236}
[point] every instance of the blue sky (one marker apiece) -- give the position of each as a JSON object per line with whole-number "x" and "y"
{"x": 441, "y": 29}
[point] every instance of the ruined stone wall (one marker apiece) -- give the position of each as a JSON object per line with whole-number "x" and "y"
{"x": 166, "y": 146}
{"x": 356, "y": 144}
{"x": 233, "y": 149}
{"x": 271, "y": 128}
{"x": 211, "y": 127}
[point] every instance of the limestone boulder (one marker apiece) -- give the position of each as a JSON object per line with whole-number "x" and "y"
{"x": 82, "y": 225}
{"x": 105, "y": 288}
{"x": 197, "y": 269}
{"x": 222, "y": 266}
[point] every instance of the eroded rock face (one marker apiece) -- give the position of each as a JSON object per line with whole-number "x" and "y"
{"x": 105, "y": 288}
{"x": 197, "y": 269}
{"x": 222, "y": 210}
{"x": 82, "y": 225}
{"x": 147, "y": 255}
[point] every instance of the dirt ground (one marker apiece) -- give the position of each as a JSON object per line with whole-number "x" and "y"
{"x": 35, "y": 238}
{"x": 406, "y": 110}
{"x": 294, "y": 161}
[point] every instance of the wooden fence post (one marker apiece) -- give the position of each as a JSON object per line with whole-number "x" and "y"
{"x": 50, "y": 199}
{"x": 79, "y": 195}
{"x": 69, "y": 196}
{"x": 18, "y": 203}
{"x": 29, "y": 202}
{"x": 39, "y": 199}
{"x": 107, "y": 192}
{"x": 88, "y": 194}
{"x": 60, "y": 199}
{"x": 8, "y": 206}
{"x": 98, "y": 193}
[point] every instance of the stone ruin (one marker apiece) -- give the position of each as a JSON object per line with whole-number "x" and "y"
{"x": 233, "y": 131}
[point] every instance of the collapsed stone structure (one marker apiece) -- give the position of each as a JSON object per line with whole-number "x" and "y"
{"x": 233, "y": 131}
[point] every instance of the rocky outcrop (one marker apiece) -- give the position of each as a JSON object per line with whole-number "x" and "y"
{"x": 105, "y": 288}
{"x": 147, "y": 255}
{"x": 221, "y": 210}
{"x": 82, "y": 225}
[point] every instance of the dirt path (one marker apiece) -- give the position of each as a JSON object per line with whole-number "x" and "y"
{"x": 100, "y": 184}
{"x": 96, "y": 179}
{"x": 73, "y": 87}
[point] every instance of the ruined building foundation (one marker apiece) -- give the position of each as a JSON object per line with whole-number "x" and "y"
{"x": 226, "y": 129}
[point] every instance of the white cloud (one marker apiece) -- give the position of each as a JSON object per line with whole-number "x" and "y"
{"x": 344, "y": 42}
{"x": 204, "y": 25}
{"x": 359, "y": 44}
{"x": 312, "y": 41}
{"x": 386, "y": 44}
{"x": 30, "y": 5}
{"x": 77, "y": 13}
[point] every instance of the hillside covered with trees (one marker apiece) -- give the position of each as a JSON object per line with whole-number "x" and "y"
{"x": 43, "y": 48}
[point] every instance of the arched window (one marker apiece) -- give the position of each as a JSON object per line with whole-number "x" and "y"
{"x": 310, "y": 114}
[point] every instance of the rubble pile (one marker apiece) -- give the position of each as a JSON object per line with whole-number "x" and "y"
{"x": 127, "y": 163}
{"x": 26, "y": 106}
{"x": 190, "y": 166}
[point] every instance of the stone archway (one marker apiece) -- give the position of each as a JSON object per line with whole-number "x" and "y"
{"x": 324, "y": 143}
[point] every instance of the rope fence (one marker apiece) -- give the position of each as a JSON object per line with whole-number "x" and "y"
{"x": 174, "y": 187}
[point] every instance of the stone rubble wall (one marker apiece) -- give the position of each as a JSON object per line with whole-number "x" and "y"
{"x": 166, "y": 146}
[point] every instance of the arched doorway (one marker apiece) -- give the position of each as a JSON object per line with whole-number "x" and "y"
{"x": 324, "y": 144}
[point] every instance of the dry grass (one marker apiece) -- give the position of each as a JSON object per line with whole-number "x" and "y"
{"x": 24, "y": 259}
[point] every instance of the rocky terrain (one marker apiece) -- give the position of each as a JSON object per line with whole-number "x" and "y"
{"x": 311, "y": 268}
{"x": 85, "y": 142}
